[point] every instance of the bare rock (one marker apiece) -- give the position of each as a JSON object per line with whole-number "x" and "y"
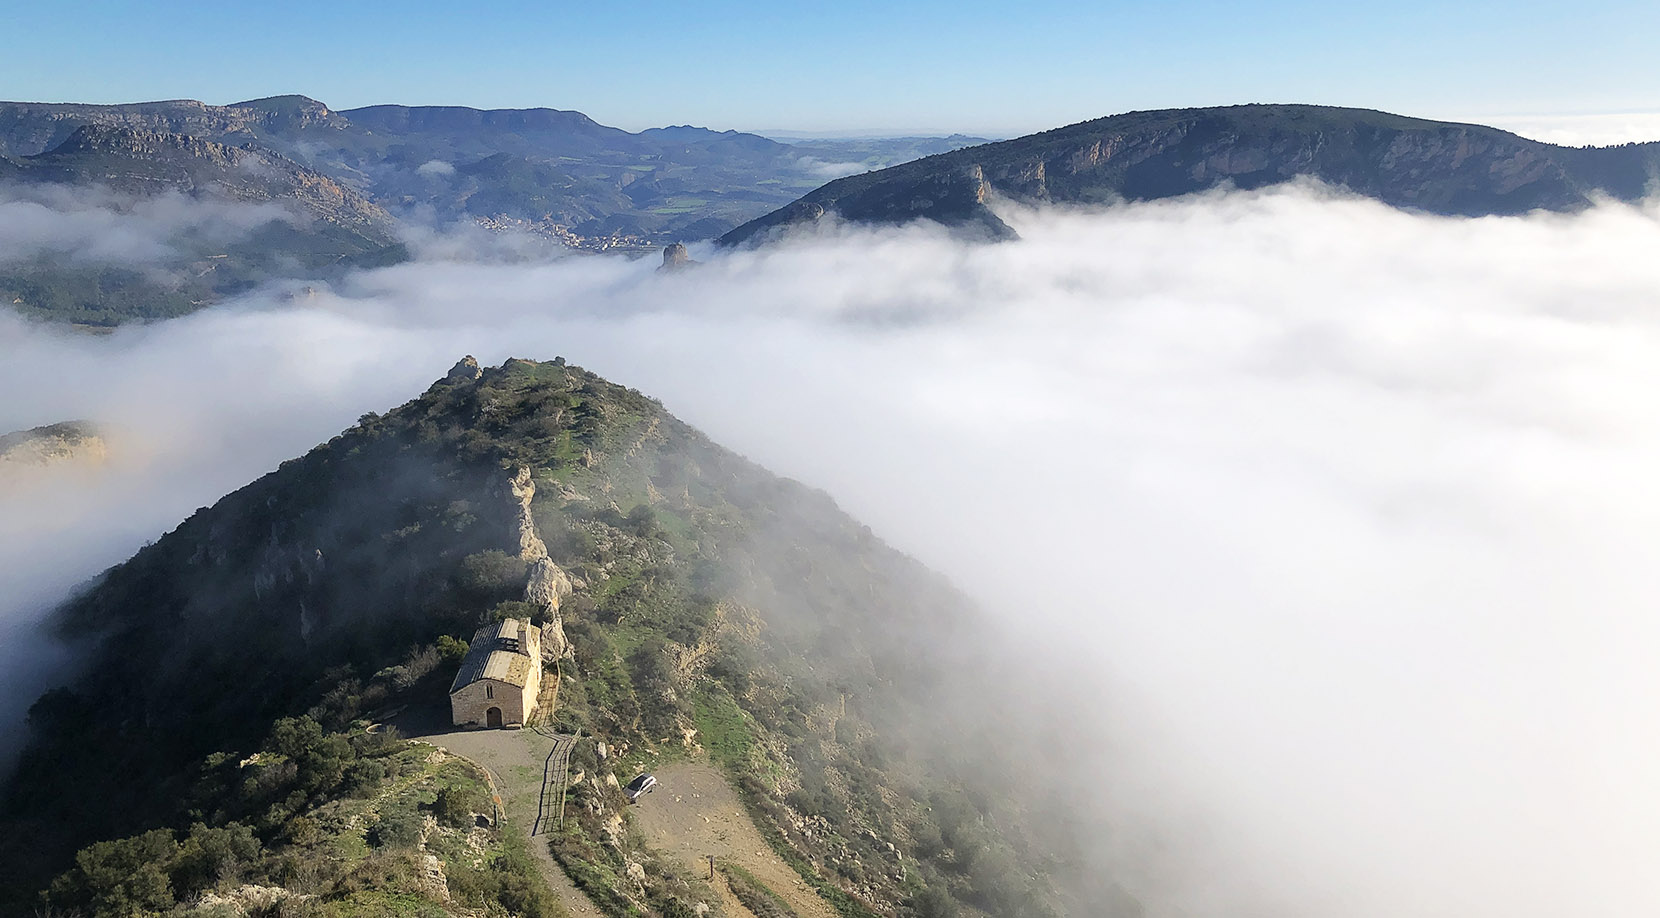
{"x": 465, "y": 370}
{"x": 675, "y": 258}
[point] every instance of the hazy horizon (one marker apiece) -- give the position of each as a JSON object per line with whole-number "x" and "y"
{"x": 1596, "y": 127}
{"x": 972, "y": 68}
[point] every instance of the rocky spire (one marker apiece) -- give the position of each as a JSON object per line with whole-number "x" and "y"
{"x": 676, "y": 258}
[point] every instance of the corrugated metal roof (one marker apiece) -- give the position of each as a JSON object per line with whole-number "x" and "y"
{"x": 496, "y": 653}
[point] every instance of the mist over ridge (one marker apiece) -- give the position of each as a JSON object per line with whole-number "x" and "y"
{"x": 1333, "y": 517}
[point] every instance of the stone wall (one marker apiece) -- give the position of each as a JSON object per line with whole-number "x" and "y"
{"x": 470, "y": 705}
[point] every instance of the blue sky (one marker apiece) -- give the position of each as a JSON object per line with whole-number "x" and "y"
{"x": 970, "y": 66}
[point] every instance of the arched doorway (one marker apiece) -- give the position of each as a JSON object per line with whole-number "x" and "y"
{"x": 492, "y": 717}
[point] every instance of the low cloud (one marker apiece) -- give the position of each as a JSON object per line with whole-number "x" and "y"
{"x": 97, "y": 226}
{"x": 433, "y": 168}
{"x": 1603, "y": 130}
{"x": 825, "y": 170}
{"x": 1329, "y": 524}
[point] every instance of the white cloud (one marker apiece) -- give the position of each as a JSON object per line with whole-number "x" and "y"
{"x": 98, "y": 226}
{"x": 1602, "y": 130}
{"x": 1332, "y": 523}
{"x": 825, "y": 170}
{"x": 435, "y": 167}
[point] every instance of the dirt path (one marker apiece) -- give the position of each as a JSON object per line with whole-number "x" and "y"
{"x": 694, "y": 813}
{"x": 516, "y": 759}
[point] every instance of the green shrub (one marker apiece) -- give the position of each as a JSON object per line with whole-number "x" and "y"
{"x": 209, "y": 855}
{"x": 455, "y": 807}
{"x": 397, "y": 829}
{"x": 124, "y": 877}
{"x": 451, "y": 650}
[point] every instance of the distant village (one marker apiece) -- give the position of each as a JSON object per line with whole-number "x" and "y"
{"x": 621, "y": 243}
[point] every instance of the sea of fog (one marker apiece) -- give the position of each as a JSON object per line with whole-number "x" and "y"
{"x": 1336, "y": 523}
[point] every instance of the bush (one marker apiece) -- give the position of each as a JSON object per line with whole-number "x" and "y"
{"x": 451, "y": 650}
{"x": 523, "y": 611}
{"x": 128, "y": 876}
{"x": 455, "y": 807}
{"x": 398, "y": 828}
{"x": 489, "y": 577}
{"x": 933, "y": 902}
{"x": 210, "y": 855}
{"x": 733, "y": 664}
{"x": 642, "y": 521}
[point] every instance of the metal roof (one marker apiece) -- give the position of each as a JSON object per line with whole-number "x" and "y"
{"x": 497, "y": 653}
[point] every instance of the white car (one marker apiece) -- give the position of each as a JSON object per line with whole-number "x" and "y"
{"x": 639, "y": 787}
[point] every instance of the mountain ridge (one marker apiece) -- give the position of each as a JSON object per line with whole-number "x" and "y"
{"x": 317, "y": 228}
{"x": 717, "y": 611}
{"x": 566, "y": 176}
{"x": 1445, "y": 168}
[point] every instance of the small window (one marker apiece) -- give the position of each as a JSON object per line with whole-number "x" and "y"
{"x": 489, "y": 691}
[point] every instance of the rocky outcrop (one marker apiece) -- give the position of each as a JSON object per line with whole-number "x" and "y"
{"x": 675, "y": 258}
{"x": 1432, "y": 166}
{"x": 465, "y": 370}
{"x": 55, "y": 444}
{"x": 547, "y": 584}
{"x": 248, "y": 899}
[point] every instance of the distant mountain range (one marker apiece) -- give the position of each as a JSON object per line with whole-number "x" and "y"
{"x": 1431, "y": 166}
{"x": 315, "y": 227}
{"x": 559, "y": 171}
{"x": 349, "y": 178}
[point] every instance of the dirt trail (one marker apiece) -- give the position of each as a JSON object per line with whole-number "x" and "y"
{"x": 515, "y": 758}
{"x": 694, "y": 813}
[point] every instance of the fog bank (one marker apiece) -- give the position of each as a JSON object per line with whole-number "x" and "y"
{"x": 1331, "y": 521}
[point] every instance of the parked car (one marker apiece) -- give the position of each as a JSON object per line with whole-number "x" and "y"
{"x": 639, "y": 787}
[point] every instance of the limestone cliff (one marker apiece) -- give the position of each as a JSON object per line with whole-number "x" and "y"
{"x": 27, "y": 128}
{"x": 143, "y": 162}
{"x": 547, "y": 585}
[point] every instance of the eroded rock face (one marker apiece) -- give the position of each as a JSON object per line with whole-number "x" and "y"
{"x": 142, "y": 161}
{"x": 547, "y": 584}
